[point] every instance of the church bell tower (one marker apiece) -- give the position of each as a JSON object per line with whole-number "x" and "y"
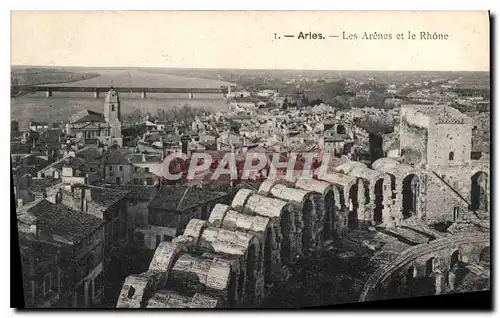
{"x": 112, "y": 113}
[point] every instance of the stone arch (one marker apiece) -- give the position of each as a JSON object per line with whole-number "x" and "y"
{"x": 210, "y": 239}
{"x": 325, "y": 209}
{"x": 252, "y": 268}
{"x": 410, "y": 195}
{"x": 268, "y": 256}
{"x": 352, "y": 217}
{"x": 329, "y": 216}
{"x": 280, "y": 214}
{"x": 304, "y": 206}
{"x": 479, "y": 191}
{"x": 226, "y": 218}
{"x": 410, "y": 276}
{"x": 455, "y": 258}
{"x": 378, "y": 216}
{"x": 341, "y": 185}
{"x": 431, "y": 266}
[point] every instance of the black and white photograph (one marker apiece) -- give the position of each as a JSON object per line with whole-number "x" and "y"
{"x": 249, "y": 159}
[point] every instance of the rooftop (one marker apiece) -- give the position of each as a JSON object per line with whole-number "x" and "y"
{"x": 441, "y": 113}
{"x": 182, "y": 198}
{"x": 57, "y": 219}
{"x": 87, "y": 115}
{"x": 40, "y": 184}
{"x": 104, "y": 196}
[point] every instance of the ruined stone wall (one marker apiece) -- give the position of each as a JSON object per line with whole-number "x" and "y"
{"x": 413, "y": 141}
{"x": 225, "y": 260}
{"x": 449, "y": 138}
{"x": 414, "y": 260}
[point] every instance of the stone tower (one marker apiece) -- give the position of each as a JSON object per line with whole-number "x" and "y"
{"x": 112, "y": 113}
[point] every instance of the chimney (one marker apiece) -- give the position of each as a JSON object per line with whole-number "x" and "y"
{"x": 56, "y": 174}
{"x": 19, "y": 203}
{"x": 143, "y": 158}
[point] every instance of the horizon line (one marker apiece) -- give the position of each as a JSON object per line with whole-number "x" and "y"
{"x": 238, "y": 68}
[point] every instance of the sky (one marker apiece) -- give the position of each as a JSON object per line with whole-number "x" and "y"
{"x": 238, "y": 39}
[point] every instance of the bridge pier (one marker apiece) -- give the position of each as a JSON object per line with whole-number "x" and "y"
{"x": 191, "y": 95}
{"x": 96, "y": 94}
{"x": 48, "y": 93}
{"x": 143, "y": 95}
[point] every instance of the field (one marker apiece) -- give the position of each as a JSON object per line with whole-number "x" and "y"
{"x": 62, "y": 105}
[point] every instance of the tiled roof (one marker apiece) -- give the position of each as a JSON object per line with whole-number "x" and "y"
{"x": 141, "y": 193}
{"x": 57, "y": 219}
{"x": 87, "y": 115}
{"x": 106, "y": 197}
{"x": 40, "y": 184}
{"x": 182, "y": 198}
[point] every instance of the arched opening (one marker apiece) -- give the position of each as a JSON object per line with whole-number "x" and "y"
{"x": 367, "y": 193}
{"x": 484, "y": 256}
{"x": 410, "y": 277}
{"x": 285, "y": 238}
{"x": 131, "y": 292}
{"x": 379, "y": 199}
{"x": 451, "y": 155}
{"x": 241, "y": 285}
{"x": 233, "y": 298}
{"x": 455, "y": 259}
{"x": 430, "y": 266}
{"x": 268, "y": 248}
{"x": 479, "y": 188}
{"x": 328, "y": 221}
{"x": 410, "y": 195}
{"x": 341, "y": 129}
{"x": 307, "y": 211}
{"x": 252, "y": 266}
{"x": 352, "y": 219}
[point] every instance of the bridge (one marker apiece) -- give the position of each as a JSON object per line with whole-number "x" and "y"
{"x": 96, "y": 90}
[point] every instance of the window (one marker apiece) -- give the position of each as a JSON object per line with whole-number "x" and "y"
{"x": 42, "y": 175}
{"x": 135, "y": 169}
{"x": 149, "y": 181}
{"x": 158, "y": 240}
{"x": 146, "y": 169}
{"x": 110, "y": 168}
{"x": 451, "y": 155}
{"x": 112, "y": 107}
{"x": 167, "y": 238}
{"x": 47, "y": 282}
{"x": 455, "y": 213}
{"x": 121, "y": 168}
